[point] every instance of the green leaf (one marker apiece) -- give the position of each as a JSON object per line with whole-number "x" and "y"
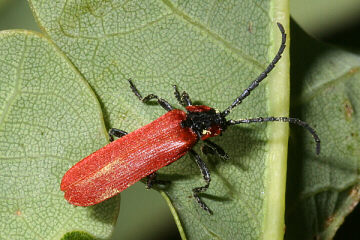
{"x": 323, "y": 189}
{"x": 213, "y": 51}
{"x": 77, "y": 236}
{"x": 49, "y": 119}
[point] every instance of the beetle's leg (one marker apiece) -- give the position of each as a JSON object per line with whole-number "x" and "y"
{"x": 163, "y": 103}
{"x": 184, "y": 99}
{"x": 206, "y": 150}
{"x": 212, "y": 148}
{"x": 151, "y": 180}
{"x": 206, "y": 175}
{"x": 113, "y": 132}
{"x": 177, "y": 95}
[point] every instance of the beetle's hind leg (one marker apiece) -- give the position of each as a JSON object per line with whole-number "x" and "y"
{"x": 206, "y": 175}
{"x": 184, "y": 99}
{"x": 151, "y": 180}
{"x": 163, "y": 103}
{"x": 114, "y": 132}
{"x": 212, "y": 148}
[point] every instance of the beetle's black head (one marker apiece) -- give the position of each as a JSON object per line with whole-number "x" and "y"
{"x": 204, "y": 121}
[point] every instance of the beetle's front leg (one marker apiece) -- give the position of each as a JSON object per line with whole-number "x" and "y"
{"x": 183, "y": 99}
{"x": 162, "y": 102}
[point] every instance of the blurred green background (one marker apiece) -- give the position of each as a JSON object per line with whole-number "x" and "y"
{"x": 144, "y": 213}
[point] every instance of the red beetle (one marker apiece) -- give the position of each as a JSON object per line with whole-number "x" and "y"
{"x": 133, "y": 156}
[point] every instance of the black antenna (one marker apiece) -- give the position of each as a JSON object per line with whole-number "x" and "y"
{"x": 262, "y": 76}
{"x": 282, "y": 119}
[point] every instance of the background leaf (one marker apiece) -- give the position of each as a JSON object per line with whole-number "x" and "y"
{"x": 77, "y": 236}
{"x": 12, "y": 19}
{"x": 322, "y": 190}
{"x": 213, "y": 51}
{"x": 49, "y": 119}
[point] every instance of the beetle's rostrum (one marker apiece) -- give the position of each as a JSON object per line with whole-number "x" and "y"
{"x": 133, "y": 156}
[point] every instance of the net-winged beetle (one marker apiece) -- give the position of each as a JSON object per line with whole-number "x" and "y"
{"x": 133, "y": 156}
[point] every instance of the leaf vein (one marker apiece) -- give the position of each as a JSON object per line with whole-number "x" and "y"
{"x": 213, "y": 35}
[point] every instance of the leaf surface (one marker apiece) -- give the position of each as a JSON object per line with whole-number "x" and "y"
{"x": 49, "y": 119}
{"x": 213, "y": 51}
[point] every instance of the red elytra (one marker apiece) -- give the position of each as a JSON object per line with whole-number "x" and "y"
{"x": 121, "y": 163}
{"x": 125, "y": 161}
